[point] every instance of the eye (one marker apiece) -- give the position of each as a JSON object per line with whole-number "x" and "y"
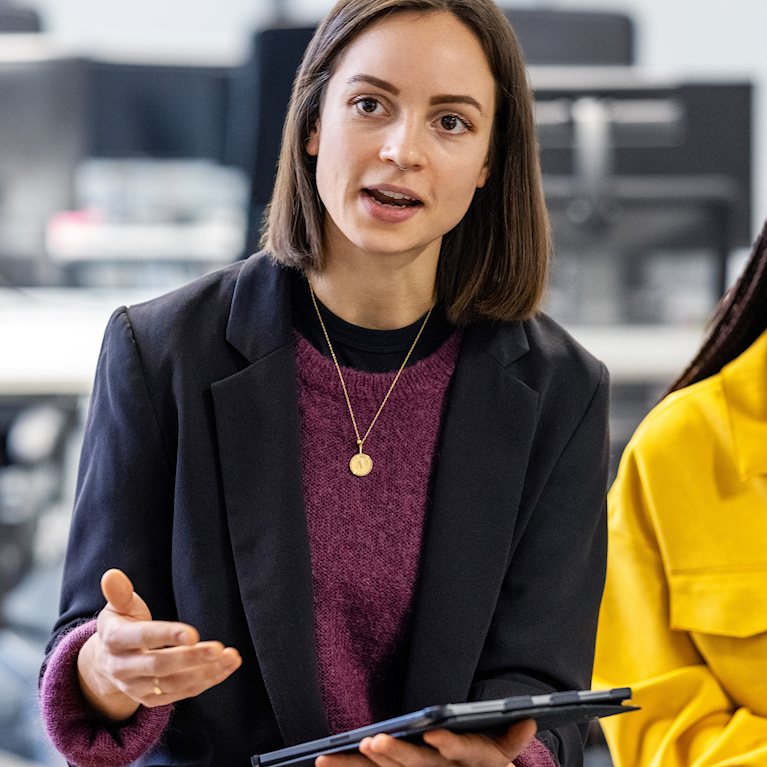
{"x": 453, "y": 124}
{"x": 368, "y": 105}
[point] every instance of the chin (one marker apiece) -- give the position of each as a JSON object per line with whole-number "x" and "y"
{"x": 385, "y": 247}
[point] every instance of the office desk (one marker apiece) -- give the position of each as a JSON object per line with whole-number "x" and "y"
{"x": 50, "y": 337}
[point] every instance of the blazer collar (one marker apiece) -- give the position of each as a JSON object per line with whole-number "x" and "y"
{"x": 260, "y": 320}
{"x": 505, "y": 343}
{"x": 744, "y": 383}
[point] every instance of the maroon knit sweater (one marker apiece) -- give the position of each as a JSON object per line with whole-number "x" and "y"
{"x": 365, "y": 532}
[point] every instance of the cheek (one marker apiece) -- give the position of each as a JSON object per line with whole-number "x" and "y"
{"x": 322, "y": 179}
{"x": 463, "y": 171}
{"x": 462, "y": 181}
{"x": 335, "y": 172}
{"x": 335, "y": 155}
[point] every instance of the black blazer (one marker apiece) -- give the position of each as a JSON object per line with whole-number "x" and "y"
{"x": 190, "y": 481}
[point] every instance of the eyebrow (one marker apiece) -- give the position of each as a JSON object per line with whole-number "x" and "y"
{"x": 435, "y": 100}
{"x": 456, "y": 99}
{"x": 375, "y": 81}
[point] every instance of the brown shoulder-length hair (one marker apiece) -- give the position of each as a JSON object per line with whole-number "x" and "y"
{"x": 739, "y": 320}
{"x": 494, "y": 263}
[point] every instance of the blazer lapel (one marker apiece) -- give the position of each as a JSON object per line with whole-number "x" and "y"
{"x": 482, "y": 462}
{"x": 258, "y": 431}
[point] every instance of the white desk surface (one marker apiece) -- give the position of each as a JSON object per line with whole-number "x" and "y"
{"x": 641, "y": 353}
{"x": 50, "y": 340}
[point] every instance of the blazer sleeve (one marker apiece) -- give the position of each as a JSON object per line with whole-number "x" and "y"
{"x": 124, "y": 495}
{"x": 546, "y": 617}
{"x": 687, "y": 717}
{"x": 124, "y": 491}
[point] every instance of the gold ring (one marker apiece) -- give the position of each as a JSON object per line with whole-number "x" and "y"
{"x": 156, "y": 685}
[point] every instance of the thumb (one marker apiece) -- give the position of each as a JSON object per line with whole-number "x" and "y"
{"x": 517, "y": 738}
{"x": 118, "y": 590}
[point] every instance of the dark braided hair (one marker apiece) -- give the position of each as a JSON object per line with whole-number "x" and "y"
{"x": 740, "y": 319}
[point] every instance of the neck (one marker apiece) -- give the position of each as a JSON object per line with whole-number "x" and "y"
{"x": 378, "y": 292}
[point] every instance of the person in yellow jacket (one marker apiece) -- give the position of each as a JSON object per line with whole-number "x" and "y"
{"x": 684, "y": 614}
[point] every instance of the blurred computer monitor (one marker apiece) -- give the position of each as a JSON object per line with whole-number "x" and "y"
{"x": 42, "y": 138}
{"x": 143, "y": 110}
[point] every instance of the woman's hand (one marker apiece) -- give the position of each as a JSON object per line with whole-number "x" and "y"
{"x": 443, "y": 749}
{"x": 133, "y": 660}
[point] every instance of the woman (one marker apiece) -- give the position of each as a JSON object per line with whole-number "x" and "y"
{"x": 357, "y": 458}
{"x": 683, "y": 618}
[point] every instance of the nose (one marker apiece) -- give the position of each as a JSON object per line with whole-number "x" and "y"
{"x": 404, "y": 145}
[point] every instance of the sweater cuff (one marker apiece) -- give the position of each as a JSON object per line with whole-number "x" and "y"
{"x": 75, "y": 730}
{"x": 536, "y": 755}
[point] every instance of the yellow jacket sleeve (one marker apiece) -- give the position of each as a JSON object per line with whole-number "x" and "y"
{"x": 686, "y": 581}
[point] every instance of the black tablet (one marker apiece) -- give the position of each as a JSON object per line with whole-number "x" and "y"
{"x": 549, "y": 711}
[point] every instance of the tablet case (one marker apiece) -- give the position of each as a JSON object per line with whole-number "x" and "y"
{"x": 549, "y": 711}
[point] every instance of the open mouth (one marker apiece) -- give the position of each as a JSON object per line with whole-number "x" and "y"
{"x": 392, "y": 199}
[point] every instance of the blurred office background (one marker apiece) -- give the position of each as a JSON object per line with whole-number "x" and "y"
{"x": 137, "y": 148}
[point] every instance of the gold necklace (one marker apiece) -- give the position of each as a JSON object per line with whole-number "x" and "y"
{"x": 361, "y": 463}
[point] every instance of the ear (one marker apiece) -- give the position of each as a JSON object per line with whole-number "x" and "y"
{"x": 313, "y": 142}
{"x": 484, "y": 173}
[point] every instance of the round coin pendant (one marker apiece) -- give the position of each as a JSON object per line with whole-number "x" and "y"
{"x": 361, "y": 464}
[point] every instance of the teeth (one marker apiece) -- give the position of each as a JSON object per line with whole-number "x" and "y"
{"x": 395, "y": 195}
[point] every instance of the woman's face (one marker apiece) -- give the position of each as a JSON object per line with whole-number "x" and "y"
{"x": 403, "y": 136}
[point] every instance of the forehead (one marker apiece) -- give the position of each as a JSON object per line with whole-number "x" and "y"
{"x": 435, "y": 51}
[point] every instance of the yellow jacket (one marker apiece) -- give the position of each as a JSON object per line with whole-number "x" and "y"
{"x": 684, "y": 615}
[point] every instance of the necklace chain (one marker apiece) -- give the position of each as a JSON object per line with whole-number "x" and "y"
{"x": 358, "y": 466}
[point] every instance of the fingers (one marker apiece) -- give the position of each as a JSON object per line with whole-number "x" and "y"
{"x": 122, "y": 635}
{"x": 134, "y": 660}
{"x": 442, "y": 749}
{"x": 167, "y": 661}
{"x": 481, "y": 749}
{"x": 117, "y": 590}
{"x": 177, "y": 672}
{"x": 136, "y": 653}
{"x": 126, "y": 623}
{"x": 517, "y": 738}
{"x": 342, "y": 760}
{"x": 137, "y": 656}
{"x": 160, "y": 689}
{"x": 121, "y": 598}
{"x": 386, "y": 751}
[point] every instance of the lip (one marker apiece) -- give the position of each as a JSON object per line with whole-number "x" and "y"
{"x": 386, "y": 213}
